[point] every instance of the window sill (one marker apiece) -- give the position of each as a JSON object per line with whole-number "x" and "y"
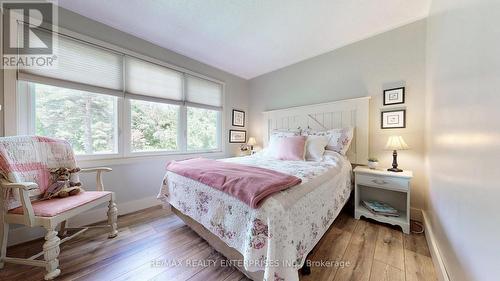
{"x": 131, "y": 159}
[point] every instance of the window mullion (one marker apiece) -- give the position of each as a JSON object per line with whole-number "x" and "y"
{"x": 182, "y": 137}
{"x": 124, "y": 125}
{"x": 183, "y": 117}
{"x": 31, "y": 110}
{"x": 127, "y": 134}
{"x": 219, "y": 130}
{"x": 25, "y": 100}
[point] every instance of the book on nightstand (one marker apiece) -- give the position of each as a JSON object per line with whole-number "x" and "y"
{"x": 380, "y": 208}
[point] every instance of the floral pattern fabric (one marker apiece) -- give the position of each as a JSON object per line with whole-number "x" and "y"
{"x": 276, "y": 237}
{"x": 29, "y": 159}
{"x": 339, "y": 139}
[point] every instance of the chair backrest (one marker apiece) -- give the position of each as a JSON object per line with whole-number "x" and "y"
{"x": 30, "y": 158}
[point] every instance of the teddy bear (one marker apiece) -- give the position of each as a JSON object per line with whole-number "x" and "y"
{"x": 64, "y": 183}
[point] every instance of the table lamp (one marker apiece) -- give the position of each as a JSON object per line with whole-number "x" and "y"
{"x": 395, "y": 143}
{"x": 251, "y": 142}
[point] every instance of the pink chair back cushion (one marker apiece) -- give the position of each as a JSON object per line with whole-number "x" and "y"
{"x": 55, "y": 206}
{"x": 291, "y": 148}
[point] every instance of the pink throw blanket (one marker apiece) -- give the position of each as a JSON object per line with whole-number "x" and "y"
{"x": 249, "y": 184}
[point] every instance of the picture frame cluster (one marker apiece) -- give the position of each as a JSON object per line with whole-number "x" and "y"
{"x": 393, "y": 119}
{"x": 238, "y": 120}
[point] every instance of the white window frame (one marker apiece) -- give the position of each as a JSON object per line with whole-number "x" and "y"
{"x": 26, "y": 122}
{"x": 128, "y": 135}
{"x": 218, "y": 126}
{"x": 181, "y": 137}
{"x": 17, "y": 122}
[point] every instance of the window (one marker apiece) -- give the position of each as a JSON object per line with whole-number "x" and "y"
{"x": 165, "y": 115}
{"x": 87, "y": 120}
{"x": 112, "y": 104}
{"x": 202, "y": 128}
{"x": 154, "y": 126}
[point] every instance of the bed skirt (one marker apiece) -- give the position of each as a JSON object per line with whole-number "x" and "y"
{"x": 219, "y": 245}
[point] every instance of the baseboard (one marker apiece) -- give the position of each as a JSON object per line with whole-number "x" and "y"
{"x": 23, "y": 234}
{"x": 437, "y": 259}
{"x": 99, "y": 214}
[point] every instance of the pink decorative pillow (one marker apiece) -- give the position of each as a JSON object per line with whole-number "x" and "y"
{"x": 291, "y": 148}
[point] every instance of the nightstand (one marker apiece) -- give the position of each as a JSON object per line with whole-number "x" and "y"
{"x": 389, "y": 187}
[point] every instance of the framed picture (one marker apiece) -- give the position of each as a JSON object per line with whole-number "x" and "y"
{"x": 238, "y": 118}
{"x": 237, "y": 136}
{"x": 393, "y": 119}
{"x": 394, "y": 96}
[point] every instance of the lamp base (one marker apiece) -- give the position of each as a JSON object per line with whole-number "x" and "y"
{"x": 394, "y": 163}
{"x": 396, "y": 170}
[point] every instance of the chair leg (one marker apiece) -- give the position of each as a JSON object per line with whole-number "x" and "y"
{"x": 50, "y": 254}
{"x": 4, "y": 234}
{"x": 63, "y": 230}
{"x": 112, "y": 217}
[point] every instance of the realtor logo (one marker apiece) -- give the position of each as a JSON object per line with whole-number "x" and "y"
{"x": 28, "y": 41}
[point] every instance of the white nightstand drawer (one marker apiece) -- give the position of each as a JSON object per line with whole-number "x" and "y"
{"x": 382, "y": 182}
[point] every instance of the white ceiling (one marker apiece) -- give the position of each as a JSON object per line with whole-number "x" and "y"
{"x": 251, "y": 37}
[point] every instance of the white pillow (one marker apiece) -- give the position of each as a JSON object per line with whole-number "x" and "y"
{"x": 315, "y": 147}
{"x": 339, "y": 140}
{"x": 272, "y": 147}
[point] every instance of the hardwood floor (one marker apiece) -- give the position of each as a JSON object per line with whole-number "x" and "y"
{"x": 149, "y": 239}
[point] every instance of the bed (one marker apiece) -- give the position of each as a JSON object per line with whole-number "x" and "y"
{"x": 272, "y": 242}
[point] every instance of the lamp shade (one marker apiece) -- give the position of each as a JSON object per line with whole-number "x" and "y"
{"x": 396, "y": 143}
{"x": 251, "y": 141}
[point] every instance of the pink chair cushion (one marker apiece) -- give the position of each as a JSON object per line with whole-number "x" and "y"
{"x": 55, "y": 206}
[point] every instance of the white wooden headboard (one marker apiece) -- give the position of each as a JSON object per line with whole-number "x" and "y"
{"x": 331, "y": 115}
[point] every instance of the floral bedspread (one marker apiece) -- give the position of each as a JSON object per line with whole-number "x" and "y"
{"x": 276, "y": 237}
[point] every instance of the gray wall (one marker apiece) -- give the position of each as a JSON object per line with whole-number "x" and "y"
{"x": 364, "y": 68}
{"x": 1, "y": 103}
{"x": 1, "y": 86}
{"x": 463, "y": 69}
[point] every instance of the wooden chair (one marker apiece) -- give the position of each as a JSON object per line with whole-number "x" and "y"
{"x": 49, "y": 214}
